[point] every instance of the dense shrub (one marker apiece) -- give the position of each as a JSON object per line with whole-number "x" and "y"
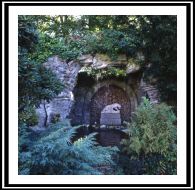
{"x": 28, "y": 115}
{"x": 49, "y": 46}
{"x": 55, "y": 153}
{"x": 112, "y": 42}
{"x": 152, "y": 138}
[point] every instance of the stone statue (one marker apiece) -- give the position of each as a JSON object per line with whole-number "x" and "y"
{"x": 113, "y": 108}
{"x": 110, "y": 115}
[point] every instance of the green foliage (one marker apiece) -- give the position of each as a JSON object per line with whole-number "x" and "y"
{"x": 28, "y": 115}
{"x": 56, "y": 153}
{"x": 27, "y": 34}
{"x": 152, "y": 134}
{"x": 35, "y": 82}
{"x": 102, "y": 74}
{"x": 88, "y": 34}
{"x": 112, "y": 42}
{"x": 159, "y": 34}
{"x": 49, "y": 46}
{"x": 57, "y": 25}
{"x": 115, "y": 42}
{"x": 55, "y": 118}
{"x": 23, "y": 140}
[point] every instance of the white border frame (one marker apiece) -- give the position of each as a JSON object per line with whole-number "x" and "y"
{"x": 180, "y": 178}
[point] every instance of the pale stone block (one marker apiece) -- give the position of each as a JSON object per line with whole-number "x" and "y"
{"x": 110, "y": 115}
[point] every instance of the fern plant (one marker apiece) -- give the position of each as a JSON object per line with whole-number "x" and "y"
{"x": 56, "y": 154}
{"x": 152, "y": 138}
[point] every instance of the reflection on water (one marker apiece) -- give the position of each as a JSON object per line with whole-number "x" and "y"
{"x": 105, "y": 137}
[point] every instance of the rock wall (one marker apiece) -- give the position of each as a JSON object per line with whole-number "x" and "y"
{"x": 61, "y": 105}
{"x": 150, "y": 91}
{"x": 83, "y": 103}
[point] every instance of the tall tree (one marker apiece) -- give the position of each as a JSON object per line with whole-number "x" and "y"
{"x": 159, "y": 34}
{"x": 35, "y": 82}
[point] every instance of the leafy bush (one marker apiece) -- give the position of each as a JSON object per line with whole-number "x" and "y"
{"x": 49, "y": 46}
{"x": 112, "y": 42}
{"x": 55, "y": 153}
{"x": 28, "y": 115}
{"x": 152, "y": 138}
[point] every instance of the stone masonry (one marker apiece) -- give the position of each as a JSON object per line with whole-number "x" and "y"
{"x": 150, "y": 91}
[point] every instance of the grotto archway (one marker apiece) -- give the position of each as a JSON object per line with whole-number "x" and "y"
{"x": 106, "y": 95}
{"x": 85, "y": 100}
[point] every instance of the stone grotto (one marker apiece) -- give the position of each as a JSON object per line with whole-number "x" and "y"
{"x": 108, "y": 102}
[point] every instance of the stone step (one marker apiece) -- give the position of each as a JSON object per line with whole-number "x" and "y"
{"x": 110, "y": 121}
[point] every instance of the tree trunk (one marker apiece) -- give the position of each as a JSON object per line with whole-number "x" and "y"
{"x": 46, "y": 116}
{"x": 63, "y": 22}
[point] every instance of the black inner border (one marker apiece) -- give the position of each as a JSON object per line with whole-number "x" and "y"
{"x": 188, "y": 91}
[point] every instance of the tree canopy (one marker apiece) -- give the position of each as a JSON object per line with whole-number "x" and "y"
{"x": 154, "y": 36}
